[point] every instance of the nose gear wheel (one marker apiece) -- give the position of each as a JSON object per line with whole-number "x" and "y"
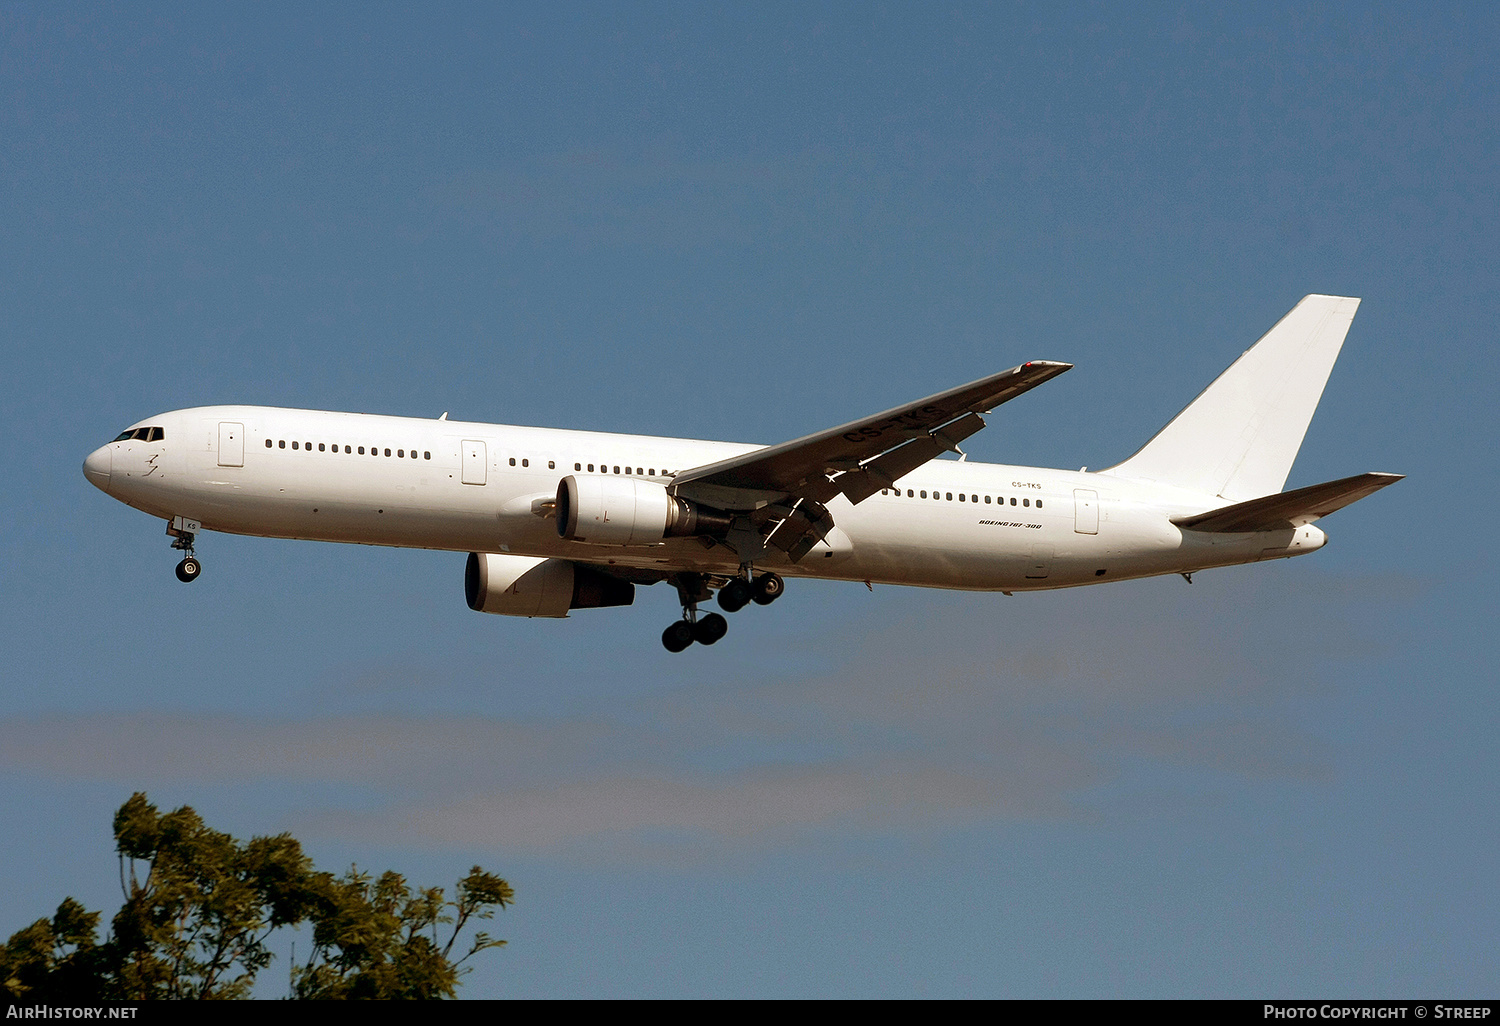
{"x": 189, "y": 569}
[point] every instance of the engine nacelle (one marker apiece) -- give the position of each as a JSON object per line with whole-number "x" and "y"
{"x": 629, "y": 511}
{"x": 531, "y": 586}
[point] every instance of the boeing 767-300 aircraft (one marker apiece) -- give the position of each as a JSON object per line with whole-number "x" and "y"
{"x": 555, "y": 520}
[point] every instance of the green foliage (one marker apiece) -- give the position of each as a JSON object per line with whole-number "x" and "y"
{"x": 199, "y": 911}
{"x": 54, "y": 958}
{"x": 381, "y": 939}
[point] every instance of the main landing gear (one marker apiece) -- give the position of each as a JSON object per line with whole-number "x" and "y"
{"x": 182, "y": 539}
{"x": 733, "y": 596}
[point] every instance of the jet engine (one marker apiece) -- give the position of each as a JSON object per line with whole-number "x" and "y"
{"x": 628, "y": 511}
{"x": 532, "y": 586}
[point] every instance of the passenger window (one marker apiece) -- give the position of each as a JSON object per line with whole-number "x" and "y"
{"x": 591, "y": 468}
{"x": 513, "y": 461}
{"x": 1039, "y": 504}
{"x": 578, "y": 466}
{"x": 986, "y": 500}
{"x": 909, "y": 494}
{"x": 961, "y": 497}
{"x": 1026, "y": 502}
{"x": 924, "y": 494}
{"x": 426, "y": 455}
{"x": 551, "y": 465}
{"x": 347, "y": 449}
{"x": 388, "y": 452}
{"x": 361, "y": 450}
{"x": 1012, "y": 500}
{"x": 414, "y": 454}
{"x": 268, "y": 443}
{"x": 653, "y": 472}
{"x": 950, "y": 496}
{"x": 294, "y": 445}
{"x": 320, "y": 446}
{"x": 401, "y": 454}
{"x": 617, "y": 470}
{"x": 524, "y": 463}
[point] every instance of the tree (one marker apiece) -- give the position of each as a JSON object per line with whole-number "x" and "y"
{"x": 200, "y": 908}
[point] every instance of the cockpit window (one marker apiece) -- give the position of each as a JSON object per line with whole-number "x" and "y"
{"x": 145, "y": 434}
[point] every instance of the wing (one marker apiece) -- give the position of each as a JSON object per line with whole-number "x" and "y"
{"x": 1288, "y": 509}
{"x": 789, "y": 483}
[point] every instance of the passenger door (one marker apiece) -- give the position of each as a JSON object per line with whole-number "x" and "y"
{"x": 1085, "y": 511}
{"x": 231, "y": 444}
{"x": 473, "y": 462}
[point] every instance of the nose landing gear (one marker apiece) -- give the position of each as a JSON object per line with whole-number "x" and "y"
{"x": 183, "y": 532}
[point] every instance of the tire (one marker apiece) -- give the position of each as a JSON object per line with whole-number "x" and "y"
{"x": 710, "y": 629}
{"x": 677, "y": 636}
{"x": 188, "y": 570}
{"x": 735, "y": 595}
{"x": 768, "y": 588}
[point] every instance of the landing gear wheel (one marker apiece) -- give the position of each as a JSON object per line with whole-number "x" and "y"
{"x": 768, "y": 588}
{"x": 678, "y": 636}
{"x": 710, "y": 629}
{"x": 188, "y": 570}
{"x": 735, "y": 595}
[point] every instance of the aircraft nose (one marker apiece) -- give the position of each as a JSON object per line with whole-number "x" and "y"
{"x": 98, "y": 466}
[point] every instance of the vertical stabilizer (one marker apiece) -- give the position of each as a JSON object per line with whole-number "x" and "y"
{"x": 1239, "y": 438}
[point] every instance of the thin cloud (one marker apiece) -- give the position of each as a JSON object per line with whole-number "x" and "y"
{"x": 955, "y": 711}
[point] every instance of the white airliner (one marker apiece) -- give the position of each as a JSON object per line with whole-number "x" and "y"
{"x": 555, "y": 520}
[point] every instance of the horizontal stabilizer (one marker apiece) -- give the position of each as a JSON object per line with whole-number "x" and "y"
{"x": 1288, "y": 509}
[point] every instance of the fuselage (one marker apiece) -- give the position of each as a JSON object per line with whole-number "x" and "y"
{"x": 471, "y": 487}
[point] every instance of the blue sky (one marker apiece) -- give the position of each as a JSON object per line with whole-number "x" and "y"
{"x": 749, "y": 223}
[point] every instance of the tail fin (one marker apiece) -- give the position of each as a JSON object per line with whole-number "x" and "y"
{"x": 1238, "y": 439}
